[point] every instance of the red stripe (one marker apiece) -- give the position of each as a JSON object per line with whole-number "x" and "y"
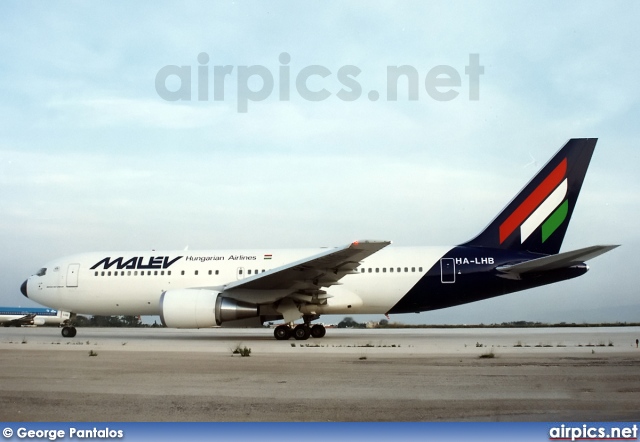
{"x": 529, "y": 205}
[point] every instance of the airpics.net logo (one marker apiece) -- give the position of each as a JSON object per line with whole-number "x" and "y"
{"x": 255, "y": 83}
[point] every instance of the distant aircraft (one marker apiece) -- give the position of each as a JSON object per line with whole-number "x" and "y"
{"x": 520, "y": 249}
{"x": 19, "y": 316}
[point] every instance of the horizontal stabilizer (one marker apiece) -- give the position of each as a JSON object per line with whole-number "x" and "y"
{"x": 559, "y": 261}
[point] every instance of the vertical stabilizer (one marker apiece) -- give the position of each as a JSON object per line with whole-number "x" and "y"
{"x": 536, "y": 220}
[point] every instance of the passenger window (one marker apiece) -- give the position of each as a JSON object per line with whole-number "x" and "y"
{"x": 169, "y": 272}
{"x": 108, "y": 273}
{"x": 239, "y": 271}
{"x": 406, "y": 269}
{"x": 155, "y": 273}
{"x": 362, "y": 270}
{"x": 149, "y": 273}
{"x": 217, "y": 272}
{"x": 209, "y": 271}
{"x": 96, "y": 274}
{"x": 384, "y": 270}
{"x": 135, "y": 273}
{"x": 413, "y": 269}
{"x": 196, "y": 273}
{"x": 182, "y": 272}
{"x": 420, "y": 269}
{"x": 369, "y": 269}
{"x": 162, "y": 272}
{"x": 102, "y": 274}
{"x": 249, "y": 272}
{"x": 129, "y": 273}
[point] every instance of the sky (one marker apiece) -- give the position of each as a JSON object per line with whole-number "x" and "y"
{"x": 121, "y": 131}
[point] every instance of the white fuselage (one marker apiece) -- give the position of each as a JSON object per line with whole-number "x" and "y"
{"x": 132, "y": 283}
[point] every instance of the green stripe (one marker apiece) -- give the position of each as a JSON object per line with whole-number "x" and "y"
{"x": 554, "y": 221}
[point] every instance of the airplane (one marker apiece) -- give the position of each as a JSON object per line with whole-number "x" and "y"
{"x": 518, "y": 250}
{"x": 19, "y": 316}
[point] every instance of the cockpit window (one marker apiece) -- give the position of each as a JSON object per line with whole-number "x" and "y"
{"x": 42, "y": 272}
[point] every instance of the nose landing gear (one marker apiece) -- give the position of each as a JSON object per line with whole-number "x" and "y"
{"x": 68, "y": 331}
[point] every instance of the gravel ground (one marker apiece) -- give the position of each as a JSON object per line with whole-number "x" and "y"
{"x": 64, "y": 383}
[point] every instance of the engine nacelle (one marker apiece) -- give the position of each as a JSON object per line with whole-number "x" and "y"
{"x": 201, "y": 308}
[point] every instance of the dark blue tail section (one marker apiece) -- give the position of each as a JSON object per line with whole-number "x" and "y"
{"x": 536, "y": 220}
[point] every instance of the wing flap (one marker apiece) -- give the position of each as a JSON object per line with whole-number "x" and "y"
{"x": 552, "y": 262}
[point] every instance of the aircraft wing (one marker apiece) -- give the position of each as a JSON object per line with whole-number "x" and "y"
{"x": 553, "y": 262}
{"x": 321, "y": 270}
{"x": 25, "y": 320}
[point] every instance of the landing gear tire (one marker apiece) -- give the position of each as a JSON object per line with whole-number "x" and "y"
{"x": 301, "y": 332}
{"x": 68, "y": 332}
{"x": 318, "y": 331}
{"x": 282, "y": 332}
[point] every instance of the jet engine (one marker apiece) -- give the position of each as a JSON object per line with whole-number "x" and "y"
{"x": 202, "y": 308}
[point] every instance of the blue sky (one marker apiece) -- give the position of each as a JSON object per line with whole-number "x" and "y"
{"x": 92, "y": 158}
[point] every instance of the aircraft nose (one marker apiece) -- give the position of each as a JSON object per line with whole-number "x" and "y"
{"x": 23, "y": 288}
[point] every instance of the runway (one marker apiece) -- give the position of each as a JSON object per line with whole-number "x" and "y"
{"x": 562, "y": 374}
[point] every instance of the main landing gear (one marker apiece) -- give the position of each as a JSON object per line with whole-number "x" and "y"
{"x": 301, "y": 332}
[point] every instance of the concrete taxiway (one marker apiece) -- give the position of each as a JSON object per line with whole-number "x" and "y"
{"x": 560, "y": 374}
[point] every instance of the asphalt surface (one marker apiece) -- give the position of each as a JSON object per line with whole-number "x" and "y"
{"x": 573, "y": 374}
